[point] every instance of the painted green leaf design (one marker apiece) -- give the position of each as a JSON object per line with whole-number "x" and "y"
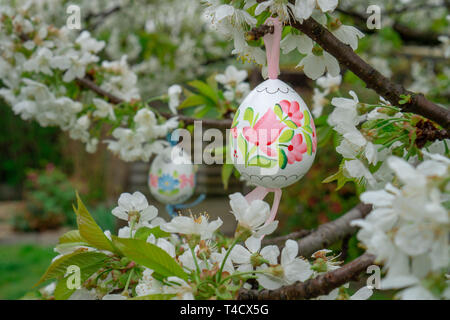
{"x": 235, "y": 119}
{"x": 262, "y": 161}
{"x": 248, "y": 115}
{"x": 286, "y": 136}
{"x": 282, "y": 158}
{"x": 241, "y": 144}
{"x": 307, "y": 116}
{"x": 89, "y": 229}
{"x": 150, "y": 256}
{"x": 278, "y": 111}
{"x": 175, "y": 174}
{"x": 308, "y": 143}
{"x": 291, "y": 124}
{"x": 79, "y": 258}
{"x": 308, "y": 129}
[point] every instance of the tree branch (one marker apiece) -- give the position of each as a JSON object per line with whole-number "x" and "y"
{"x": 88, "y": 84}
{"x": 374, "y": 80}
{"x": 321, "y": 285}
{"x": 326, "y": 234}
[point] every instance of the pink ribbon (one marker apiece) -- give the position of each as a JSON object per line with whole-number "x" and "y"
{"x": 272, "y": 43}
{"x": 259, "y": 193}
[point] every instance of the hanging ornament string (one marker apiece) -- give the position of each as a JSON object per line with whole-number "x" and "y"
{"x": 272, "y": 44}
{"x": 172, "y": 209}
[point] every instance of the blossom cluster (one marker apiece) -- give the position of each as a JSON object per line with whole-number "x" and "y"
{"x": 234, "y": 19}
{"x": 211, "y": 265}
{"x": 409, "y": 226}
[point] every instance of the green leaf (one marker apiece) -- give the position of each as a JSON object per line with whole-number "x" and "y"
{"x": 150, "y": 256}
{"x": 89, "y": 230}
{"x": 205, "y": 90}
{"x": 248, "y": 115}
{"x": 80, "y": 258}
{"x": 309, "y": 143}
{"x": 144, "y": 232}
{"x": 291, "y": 124}
{"x": 339, "y": 177}
{"x": 286, "y": 136}
{"x": 282, "y": 158}
{"x": 193, "y": 100}
{"x": 227, "y": 170}
{"x": 62, "y": 292}
{"x": 157, "y": 296}
{"x": 262, "y": 161}
{"x": 278, "y": 111}
{"x": 71, "y": 236}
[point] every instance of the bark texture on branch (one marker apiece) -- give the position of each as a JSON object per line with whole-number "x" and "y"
{"x": 313, "y": 288}
{"x": 89, "y": 84}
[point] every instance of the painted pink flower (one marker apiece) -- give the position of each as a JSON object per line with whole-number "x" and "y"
{"x": 153, "y": 180}
{"x": 296, "y": 149}
{"x": 184, "y": 180}
{"x": 292, "y": 109}
{"x": 234, "y": 132}
{"x": 265, "y": 132}
{"x": 314, "y": 138}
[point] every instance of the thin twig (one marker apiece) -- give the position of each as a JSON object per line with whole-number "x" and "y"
{"x": 313, "y": 288}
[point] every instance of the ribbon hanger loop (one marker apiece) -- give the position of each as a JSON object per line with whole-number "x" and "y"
{"x": 272, "y": 44}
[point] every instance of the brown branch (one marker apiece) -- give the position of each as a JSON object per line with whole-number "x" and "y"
{"x": 89, "y": 84}
{"x": 279, "y": 241}
{"x": 313, "y": 288}
{"x": 326, "y": 234}
{"x": 406, "y": 34}
{"x": 374, "y": 80}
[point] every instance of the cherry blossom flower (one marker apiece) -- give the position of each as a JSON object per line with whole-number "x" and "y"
{"x": 253, "y": 256}
{"x": 174, "y": 97}
{"x": 134, "y": 207}
{"x": 290, "y": 270}
{"x": 317, "y": 62}
{"x": 193, "y": 226}
{"x": 252, "y": 216}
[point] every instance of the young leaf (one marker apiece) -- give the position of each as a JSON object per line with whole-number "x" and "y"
{"x": 205, "y": 90}
{"x": 144, "y": 232}
{"x": 79, "y": 258}
{"x": 62, "y": 292}
{"x": 227, "y": 170}
{"x": 150, "y": 256}
{"x": 71, "y": 236}
{"x": 193, "y": 100}
{"x": 89, "y": 230}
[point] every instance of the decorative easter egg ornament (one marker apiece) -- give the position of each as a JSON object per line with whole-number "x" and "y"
{"x": 172, "y": 179}
{"x": 273, "y": 137}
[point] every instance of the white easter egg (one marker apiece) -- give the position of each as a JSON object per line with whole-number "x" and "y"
{"x": 273, "y": 137}
{"x": 172, "y": 176}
